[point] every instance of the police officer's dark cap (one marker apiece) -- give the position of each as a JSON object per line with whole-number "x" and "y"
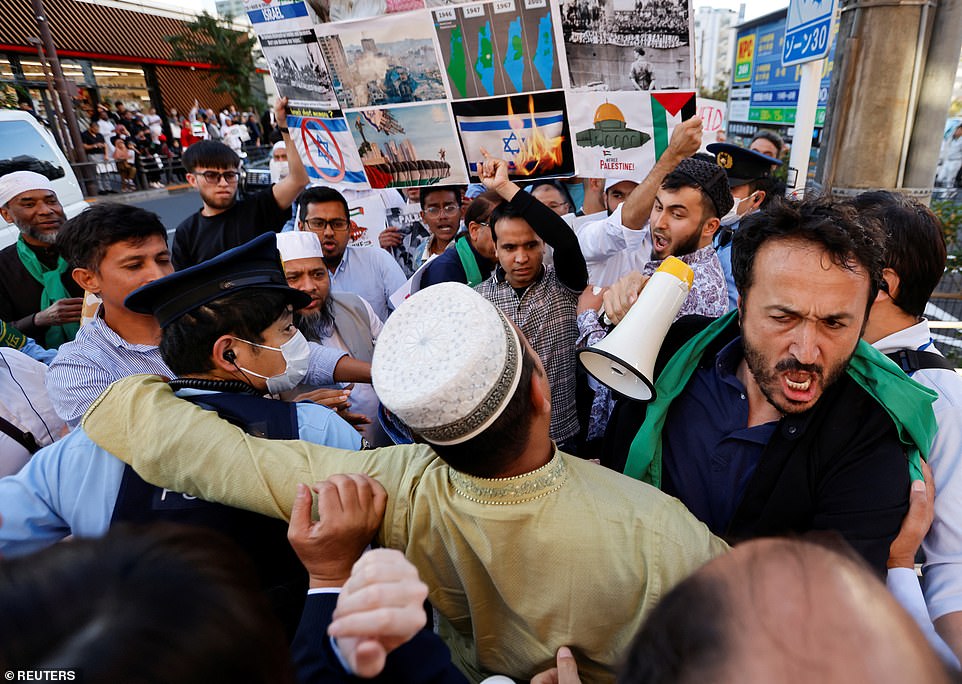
{"x": 256, "y": 264}
{"x": 741, "y": 164}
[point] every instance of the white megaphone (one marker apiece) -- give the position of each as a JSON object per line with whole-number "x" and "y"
{"x": 625, "y": 359}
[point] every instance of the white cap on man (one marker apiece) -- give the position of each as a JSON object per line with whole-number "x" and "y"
{"x": 299, "y": 244}
{"x": 19, "y": 182}
{"x": 447, "y": 363}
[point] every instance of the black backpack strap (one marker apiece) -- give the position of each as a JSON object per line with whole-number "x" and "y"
{"x": 910, "y": 360}
{"x": 24, "y": 439}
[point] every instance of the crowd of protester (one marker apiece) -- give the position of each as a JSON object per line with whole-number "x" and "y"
{"x": 201, "y": 441}
{"x": 131, "y": 149}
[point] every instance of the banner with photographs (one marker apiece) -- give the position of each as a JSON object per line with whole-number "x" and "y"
{"x": 402, "y": 93}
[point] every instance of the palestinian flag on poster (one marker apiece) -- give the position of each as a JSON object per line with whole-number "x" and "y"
{"x": 667, "y": 111}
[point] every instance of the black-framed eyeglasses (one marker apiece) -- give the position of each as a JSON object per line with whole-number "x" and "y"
{"x": 447, "y": 210}
{"x": 319, "y": 225}
{"x": 213, "y": 177}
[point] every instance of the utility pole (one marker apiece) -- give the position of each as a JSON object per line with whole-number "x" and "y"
{"x": 890, "y": 94}
{"x": 56, "y": 116}
{"x": 936, "y": 92}
{"x": 66, "y": 105}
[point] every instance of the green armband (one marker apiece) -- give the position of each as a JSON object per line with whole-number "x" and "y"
{"x": 11, "y": 337}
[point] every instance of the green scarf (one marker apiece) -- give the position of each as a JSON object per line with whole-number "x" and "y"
{"x": 908, "y": 403}
{"x": 53, "y": 290}
{"x": 470, "y": 264}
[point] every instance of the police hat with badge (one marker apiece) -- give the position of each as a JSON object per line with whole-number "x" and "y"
{"x": 255, "y": 264}
{"x": 741, "y": 164}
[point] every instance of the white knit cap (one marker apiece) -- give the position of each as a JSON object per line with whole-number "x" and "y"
{"x": 299, "y": 244}
{"x": 19, "y": 182}
{"x": 612, "y": 182}
{"x": 279, "y": 145}
{"x": 447, "y": 363}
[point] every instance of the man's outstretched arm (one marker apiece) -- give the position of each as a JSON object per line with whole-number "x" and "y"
{"x": 174, "y": 444}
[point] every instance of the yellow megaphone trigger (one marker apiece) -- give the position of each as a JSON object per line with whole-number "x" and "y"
{"x": 678, "y": 268}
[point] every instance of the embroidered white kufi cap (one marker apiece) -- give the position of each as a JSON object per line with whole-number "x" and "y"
{"x": 447, "y": 363}
{"x": 299, "y": 244}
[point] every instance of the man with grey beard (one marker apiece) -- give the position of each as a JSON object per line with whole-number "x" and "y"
{"x": 37, "y": 294}
{"x": 342, "y": 320}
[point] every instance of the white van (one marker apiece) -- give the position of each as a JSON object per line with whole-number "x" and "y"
{"x": 25, "y": 145}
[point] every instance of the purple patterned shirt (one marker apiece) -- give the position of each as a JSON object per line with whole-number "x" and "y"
{"x": 708, "y": 297}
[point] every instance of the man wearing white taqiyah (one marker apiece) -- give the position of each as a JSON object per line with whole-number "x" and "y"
{"x": 341, "y": 320}
{"x": 37, "y": 295}
{"x": 453, "y": 368}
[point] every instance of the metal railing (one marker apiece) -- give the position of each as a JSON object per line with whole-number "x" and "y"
{"x": 103, "y": 177}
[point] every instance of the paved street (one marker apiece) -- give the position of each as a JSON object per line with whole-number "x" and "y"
{"x": 172, "y": 207}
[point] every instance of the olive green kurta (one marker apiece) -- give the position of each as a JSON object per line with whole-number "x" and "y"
{"x": 570, "y": 554}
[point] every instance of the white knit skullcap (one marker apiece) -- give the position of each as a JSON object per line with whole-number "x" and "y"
{"x": 299, "y": 244}
{"x": 447, "y": 363}
{"x": 19, "y": 182}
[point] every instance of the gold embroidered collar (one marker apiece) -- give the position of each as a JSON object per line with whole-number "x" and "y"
{"x": 503, "y": 491}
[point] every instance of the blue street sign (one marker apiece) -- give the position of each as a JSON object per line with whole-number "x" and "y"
{"x": 808, "y": 31}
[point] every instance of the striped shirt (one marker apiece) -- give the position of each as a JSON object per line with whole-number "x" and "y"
{"x": 99, "y": 356}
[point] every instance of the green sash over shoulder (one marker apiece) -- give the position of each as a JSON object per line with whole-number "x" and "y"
{"x": 468, "y": 261}
{"x": 53, "y": 290}
{"x": 907, "y": 403}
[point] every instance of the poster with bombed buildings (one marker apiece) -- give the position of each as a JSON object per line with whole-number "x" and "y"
{"x": 402, "y": 93}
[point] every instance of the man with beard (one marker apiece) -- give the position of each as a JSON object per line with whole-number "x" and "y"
{"x": 777, "y": 419}
{"x": 37, "y": 295}
{"x": 224, "y": 222}
{"x": 684, "y": 218}
{"x": 341, "y": 320}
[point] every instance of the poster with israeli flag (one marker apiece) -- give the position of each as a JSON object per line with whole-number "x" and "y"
{"x": 324, "y": 143}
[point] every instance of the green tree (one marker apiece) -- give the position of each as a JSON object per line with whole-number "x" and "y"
{"x": 212, "y": 40}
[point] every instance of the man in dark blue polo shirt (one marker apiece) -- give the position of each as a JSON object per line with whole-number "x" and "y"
{"x": 780, "y": 420}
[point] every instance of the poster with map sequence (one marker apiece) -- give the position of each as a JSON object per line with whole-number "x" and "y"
{"x": 500, "y": 48}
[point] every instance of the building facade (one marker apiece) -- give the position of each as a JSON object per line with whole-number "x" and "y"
{"x": 714, "y": 46}
{"x": 109, "y": 51}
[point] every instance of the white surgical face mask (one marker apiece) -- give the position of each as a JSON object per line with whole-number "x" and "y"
{"x": 732, "y": 217}
{"x": 296, "y": 353}
{"x": 279, "y": 171}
